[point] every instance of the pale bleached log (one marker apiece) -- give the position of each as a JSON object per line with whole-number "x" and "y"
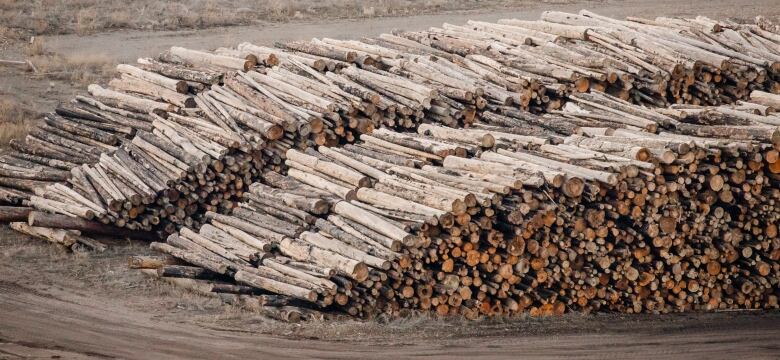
{"x": 345, "y": 250}
{"x": 178, "y": 86}
{"x": 374, "y": 222}
{"x": 329, "y": 168}
{"x": 63, "y": 237}
{"x": 190, "y": 257}
{"x": 130, "y": 102}
{"x": 248, "y": 278}
{"x": 305, "y": 252}
{"x": 132, "y": 84}
{"x": 322, "y": 183}
{"x": 204, "y": 58}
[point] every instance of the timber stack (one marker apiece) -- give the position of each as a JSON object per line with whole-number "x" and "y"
{"x": 332, "y": 90}
{"x": 140, "y": 154}
{"x": 486, "y": 221}
{"x": 530, "y": 176}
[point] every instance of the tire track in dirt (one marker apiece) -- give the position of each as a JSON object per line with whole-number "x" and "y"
{"x": 62, "y": 322}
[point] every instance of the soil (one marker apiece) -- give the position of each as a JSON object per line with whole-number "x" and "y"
{"x": 59, "y": 304}
{"x": 55, "y": 304}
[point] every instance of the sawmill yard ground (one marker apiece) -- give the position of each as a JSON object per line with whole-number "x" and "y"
{"x": 59, "y": 304}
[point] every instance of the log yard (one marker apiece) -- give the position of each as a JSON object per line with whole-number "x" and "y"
{"x": 587, "y": 179}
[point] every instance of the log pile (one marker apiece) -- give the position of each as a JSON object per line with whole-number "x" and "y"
{"x": 699, "y": 60}
{"x": 491, "y": 222}
{"x": 77, "y": 133}
{"x": 535, "y": 65}
{"x": 142, "y": 154}
{"x": 484, "y": 169}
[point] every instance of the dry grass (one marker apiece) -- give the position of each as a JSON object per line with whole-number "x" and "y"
{"x": 77, "y": 69}
{"x": 15, "y": 120}
{"x": 35, "y": 47}
{"x": 36, "y": 17}
{"x": 55, "y": 78}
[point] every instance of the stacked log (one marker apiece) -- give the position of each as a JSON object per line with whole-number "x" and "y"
{"x": 534, "y": 65}
{"x": 490, "y": 221}
{"x": 332, "y": 90}
{"x": 141, "y": 154}
{"x": 75, "y": 134}
{"x": 693, "y": 60}
{"x": 160, "y": 178}
{"x": 497, "y": 199}
{"x": 350, "y": 101}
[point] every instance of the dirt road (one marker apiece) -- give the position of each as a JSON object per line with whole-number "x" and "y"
{"x": 74, "y": 325}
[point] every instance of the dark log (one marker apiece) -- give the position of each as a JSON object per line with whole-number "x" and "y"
{"x": 14, "y": 213}
{"x": 42, "y": 219}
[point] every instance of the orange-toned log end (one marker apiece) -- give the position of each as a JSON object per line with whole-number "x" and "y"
{"x": 612, "y": 77}
{"x": 582, "y": 84}
{"x": 319, "y": 139}
{"x": 484, "y": 307}
{"x": 442, "y": 309}
{"x": 537, "y": 264}
{"x": 249, "y": 64}
{"x": 547, "y": 309}
{"x": 407, "y": 292}
{"x": 341, "y": 299}
{"x": 771, "y": 231}
{"x": 448, "y": 265}
{"x": 559, "y": 308}
{"x": 404, "y": 262}
{"x": 316, "y": 125}
{"x": 573, "y": 187}
{"x": 541, "y": 276}
{"x": 763, "y": 268}
{"x": 472, "y": 257}
{"x": 425, "y": 303}
{"x": 775, "y": 167}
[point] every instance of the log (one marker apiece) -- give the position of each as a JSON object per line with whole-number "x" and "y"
{"x": 14, "y": 213}
{"x": 42, "y": 219}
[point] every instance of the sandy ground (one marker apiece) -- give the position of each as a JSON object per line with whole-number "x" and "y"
{"x": 59, "y": 305}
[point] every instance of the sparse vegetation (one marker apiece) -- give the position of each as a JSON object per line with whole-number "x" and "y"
{"x": 79, "y": 69}
{"x": 16, "y": 116}
{"x": 15, "y": 119}
{"x": 37, "y": 17}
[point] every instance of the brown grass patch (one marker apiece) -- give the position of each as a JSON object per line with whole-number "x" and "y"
{"x": 35, "y": 47}
{"x": 78, "y": 69}
{"x": 15, "y": 120}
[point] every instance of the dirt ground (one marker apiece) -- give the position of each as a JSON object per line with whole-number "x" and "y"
{"x": 55, "y": 304}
